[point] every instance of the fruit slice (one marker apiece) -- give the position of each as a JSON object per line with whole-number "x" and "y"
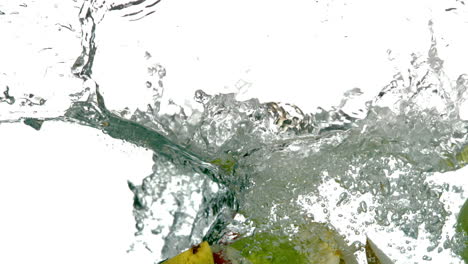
{"x": 375, "y": 255}
{"x": 313, "y": 243}
{"x": 462, "y": 157}
{"x": 266, "y": 248}
{"x": 200, "y": 254}
{"x": 458, "y": 160}
{"x": 226, "y": 164}
{"x": 323, "y": 245}
{"x": 462, "y": 226}
{"x": 229, "y": 255}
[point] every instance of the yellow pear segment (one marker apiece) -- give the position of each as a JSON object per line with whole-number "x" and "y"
{"x": 200, "y": 254}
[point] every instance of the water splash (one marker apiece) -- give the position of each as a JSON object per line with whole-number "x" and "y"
{"x": 272, "y": 164}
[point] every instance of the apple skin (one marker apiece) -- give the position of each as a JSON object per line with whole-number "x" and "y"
{"x": 266, "y": 248}
{"x": 462, "y": 226}
{"x": 313, "y": 243}
{"x": 219, "y": 259}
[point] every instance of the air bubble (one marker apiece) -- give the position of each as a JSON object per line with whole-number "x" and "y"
{"x": 343, "y": 197}
{"x": 362, "y": 207}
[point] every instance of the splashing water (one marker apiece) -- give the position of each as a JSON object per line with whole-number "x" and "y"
{"x": 245, "y": 165}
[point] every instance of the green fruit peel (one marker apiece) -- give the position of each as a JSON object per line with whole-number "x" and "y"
{"x": 462, "y": 226}
{"x": 460, "y": 159}
{"x": 227, "y": 165}
{"x": 265, "y": 248}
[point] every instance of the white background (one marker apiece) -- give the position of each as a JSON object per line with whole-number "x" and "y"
{"x": 63, "y": 192}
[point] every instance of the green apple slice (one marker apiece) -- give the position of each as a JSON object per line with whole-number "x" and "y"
{"x": 459, "y": 160}
{"x": 462, "y": 226}
{"x": 375, "y": 255}
{"x": 225, "y": 164}
{"x": 266, "y": 248}
{"x": 323, "y": 245}
{"x": 313, "y": 243}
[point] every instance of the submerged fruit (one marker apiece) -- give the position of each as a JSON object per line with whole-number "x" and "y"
{"x": 200, "y": 254}
{"x": 226, "y": 164}
{"x": 463, "y": 217}
{"x": 374, "y": 255}
{"x": 266, "y": 248}
{"x": 459, "y": 160}
{"x": 323, "y": 245}
{"x": 312, "y": 244}
{"x": 462, "y": 157}
{"x": 462, "y": 226}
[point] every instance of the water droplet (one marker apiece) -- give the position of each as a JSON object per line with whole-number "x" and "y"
{"x": 201, "y": 97}
{"x": 342, "y": 198}
{"x": 356, "y": 245}
{"x": 139, "y": 226}
{"x": 362, "y": 207}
